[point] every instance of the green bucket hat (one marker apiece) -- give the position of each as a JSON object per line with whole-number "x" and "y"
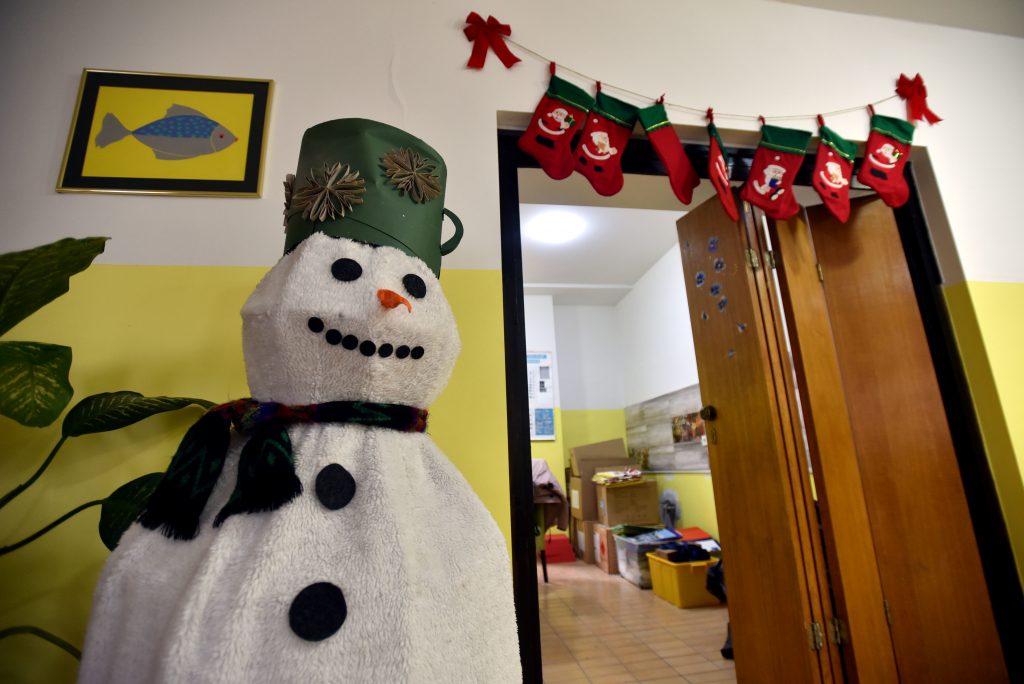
{"x": 368, "y": 181}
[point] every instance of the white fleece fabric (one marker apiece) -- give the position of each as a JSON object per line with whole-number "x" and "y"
{"x": 421, "y": 563}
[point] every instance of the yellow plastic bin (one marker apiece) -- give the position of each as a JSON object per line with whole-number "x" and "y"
{"x": 681, "y": 584}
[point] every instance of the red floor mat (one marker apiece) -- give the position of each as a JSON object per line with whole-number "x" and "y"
{"x": 558, "y": 549}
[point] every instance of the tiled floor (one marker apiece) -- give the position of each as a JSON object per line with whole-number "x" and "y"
{"x": 600, "y": 628}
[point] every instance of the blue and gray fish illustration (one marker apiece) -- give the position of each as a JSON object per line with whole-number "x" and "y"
{"x": 183, "y": 133}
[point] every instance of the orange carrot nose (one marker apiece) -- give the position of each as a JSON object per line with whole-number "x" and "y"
{"x": 392, "y": 299}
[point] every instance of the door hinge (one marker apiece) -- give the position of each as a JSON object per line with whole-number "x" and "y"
{"x": 815, "y": 636}
{"x": 888, "y": 612}
{"x": 752, "y": 259}
{"x": 836, "y": 629}
{"x": 769, "y": 259}
{"x": 821, "y": 273}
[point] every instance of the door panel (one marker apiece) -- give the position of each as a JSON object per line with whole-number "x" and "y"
{"x": 781, "y": 357}
{"x": 867, "y": 646}
{"x": 766, "y": 579}
{"x": 931, "y": 575}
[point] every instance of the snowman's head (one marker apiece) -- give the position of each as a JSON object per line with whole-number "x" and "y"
{"x": 340, "y": 320}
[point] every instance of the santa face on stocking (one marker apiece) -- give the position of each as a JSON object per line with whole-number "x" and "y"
{"x": 560, "y": 122}
{"x": 833, "y": 175}
{"x": 602, "y": 147}
{"x": 772, "y": 183}
{"x": 885, "y": 156}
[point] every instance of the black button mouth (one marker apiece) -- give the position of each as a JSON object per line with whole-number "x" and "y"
{"x": 367, "y": 348}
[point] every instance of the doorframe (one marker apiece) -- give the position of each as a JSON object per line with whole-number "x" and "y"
{"x": 1005, "y": 592}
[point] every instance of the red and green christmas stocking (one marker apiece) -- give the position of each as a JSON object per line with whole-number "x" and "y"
{"x": 833, "y": 171}
{"x": 555, "y": 121}
{"x": 681, "y": 174}
{"x": 602, "y": 142}
{"x": 718, "y": 172}
{"x": 885, "y": 155}
{"x": 776, "y": 161}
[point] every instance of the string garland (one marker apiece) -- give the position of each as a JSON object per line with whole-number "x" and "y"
{"x": 699, "y": 111}
{"x": 572, "y": 131}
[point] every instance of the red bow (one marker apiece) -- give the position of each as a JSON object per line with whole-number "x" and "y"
{"x": 914, "y": 92}
{"x": 483, "y": 33}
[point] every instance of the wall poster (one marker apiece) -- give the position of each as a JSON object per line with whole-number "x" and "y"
{"x": 541, "y": 393}
{"x": 167, "y": 134}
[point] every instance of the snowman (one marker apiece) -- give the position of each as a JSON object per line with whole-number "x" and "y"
{"x": 315, "y": 533}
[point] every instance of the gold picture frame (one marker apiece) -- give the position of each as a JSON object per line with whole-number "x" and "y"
{"x": 167, "y": 134}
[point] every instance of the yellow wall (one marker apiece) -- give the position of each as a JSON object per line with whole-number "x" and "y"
{"x": 693, "y": 489}
{"x": 589, "y": 426}
{"x": 176, "y": 331}
{"x": 989, "y": 327}
{"x": 574, "y": 427}
{"x": 696, "y": 498}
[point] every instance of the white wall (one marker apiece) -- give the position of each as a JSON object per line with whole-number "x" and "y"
{"x": 611, "y": 357}
{"x": 402, "y": 62}
{"x": 540, "y": 333}
{"x": 654, "y": 324}
{"x": 590, "y": 364}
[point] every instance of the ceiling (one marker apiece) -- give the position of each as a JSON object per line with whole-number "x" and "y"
{"x": 602, "y": 265}
{"x": 992, "y": 16}
{"x": 626, "y": 234}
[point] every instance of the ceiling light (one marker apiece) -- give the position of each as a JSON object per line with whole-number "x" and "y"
{"x": 555, "y": 227}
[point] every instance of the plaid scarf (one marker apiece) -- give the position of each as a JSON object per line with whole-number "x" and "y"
{"x": 266, "y": 467}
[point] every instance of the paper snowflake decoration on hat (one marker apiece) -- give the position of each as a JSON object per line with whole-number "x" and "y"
{"x": 412, "y": 174}
{"x": 330, "y": 193}
{"x": 289, "y": 188}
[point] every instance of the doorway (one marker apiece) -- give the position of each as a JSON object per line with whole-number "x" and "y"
{"x": 610, "y": 313}
{"x": 639, "y": 158}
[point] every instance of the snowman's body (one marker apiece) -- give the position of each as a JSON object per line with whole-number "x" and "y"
{"x": 414, "y": 565}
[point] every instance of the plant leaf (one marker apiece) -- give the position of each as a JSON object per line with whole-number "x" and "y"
{"x": 34, "y": 385}
{"x": 123, "y": 507}
{"x": 35, "y": 277}
{"x": 115, "y": 410}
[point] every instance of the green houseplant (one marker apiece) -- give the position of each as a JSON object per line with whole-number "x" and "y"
{"x": 35, "y": 389}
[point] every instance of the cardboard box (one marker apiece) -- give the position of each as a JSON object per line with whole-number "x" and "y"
{"x": 613, "y": 450}
{"x": 628, "y": 504}
{"x": 604, "y": 549}
{"x": 586, "y": 540}
{"x": 585, "y": 460}
{"x": 576, "y": 499}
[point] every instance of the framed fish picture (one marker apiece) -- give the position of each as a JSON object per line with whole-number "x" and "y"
{"x": 167, "y": 134}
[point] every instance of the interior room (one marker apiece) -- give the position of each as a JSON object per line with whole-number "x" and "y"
{"x": 615, "y": 315}
{"x": 155, "y": 310}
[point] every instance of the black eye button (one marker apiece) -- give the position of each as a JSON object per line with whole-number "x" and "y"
{"x": 346, "y": 270}
{"x": 415, "y": 286}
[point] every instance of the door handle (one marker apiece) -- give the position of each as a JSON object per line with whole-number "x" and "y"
{"x": 709, "y": 412}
